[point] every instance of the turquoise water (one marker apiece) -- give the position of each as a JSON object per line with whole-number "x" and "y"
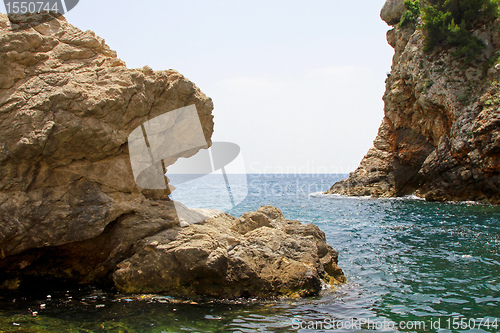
{"x": 408, "y": 262}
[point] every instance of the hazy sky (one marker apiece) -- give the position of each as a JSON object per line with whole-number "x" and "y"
{"x": 297, "y": 84}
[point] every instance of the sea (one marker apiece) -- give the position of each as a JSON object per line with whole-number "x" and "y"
{"x": 411, "y": 265}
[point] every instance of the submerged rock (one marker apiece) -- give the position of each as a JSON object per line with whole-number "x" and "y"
{"x": 440, "y": 136}
{"x": 70, "y": 209}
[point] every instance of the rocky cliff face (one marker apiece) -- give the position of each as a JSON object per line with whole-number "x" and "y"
{"x": 440, "y": 136}
{"x": 70, "y": 208}
{"x": 67, "y": 106}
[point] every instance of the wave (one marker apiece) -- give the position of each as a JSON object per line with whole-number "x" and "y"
{"x": 340, "y": 196}
{"x": 411, "y": 197}
{"x": 365, "y": 197}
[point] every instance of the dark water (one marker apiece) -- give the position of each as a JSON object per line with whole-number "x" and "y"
{"x": 432, "y": 267}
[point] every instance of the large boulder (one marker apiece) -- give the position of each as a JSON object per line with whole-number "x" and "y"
{"x": 259, "y": 254}
{"x": 68, "y": 197}
{"x": 70, "y": 207}
{"x": 392, "y": 11}
{"x": 67, "y": 107}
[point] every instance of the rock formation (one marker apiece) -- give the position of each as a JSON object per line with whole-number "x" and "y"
{"x": 259, "y": 254}
{"x": 440, "y": 136}
{"x": 70, "y": 208}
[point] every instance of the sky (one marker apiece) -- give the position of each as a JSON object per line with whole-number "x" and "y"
{"x": 297, "y": 84}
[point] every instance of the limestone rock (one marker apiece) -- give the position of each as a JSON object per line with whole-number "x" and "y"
{"x": 67, "y": 106}
{"x": 392, "y": 11}
{"x": 439, "y": 136}
{"x": 70, "y": 209}
{"x": 259, "y": 254}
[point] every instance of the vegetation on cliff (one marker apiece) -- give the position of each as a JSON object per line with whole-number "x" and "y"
{"x": 412, "y": 14}
{"x": 440, "y": 136}
{"x": 450, "y": 23}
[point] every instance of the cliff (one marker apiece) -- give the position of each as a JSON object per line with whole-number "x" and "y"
{"x": 70, "y": 208}
{"x": 440, "y": 135}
